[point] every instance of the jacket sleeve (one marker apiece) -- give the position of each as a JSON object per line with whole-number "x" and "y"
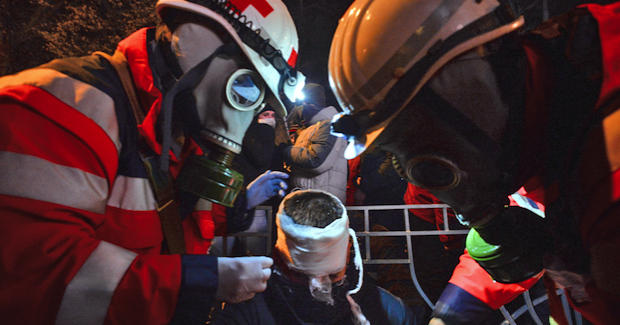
{"x": 471, "y": 294}
{"x": 258, "y": 145}
{"x": 58, "y": 160}
{"x": 312, "y": 156}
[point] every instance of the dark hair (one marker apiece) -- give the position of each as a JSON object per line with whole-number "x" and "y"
{"x": 314, "y": 209}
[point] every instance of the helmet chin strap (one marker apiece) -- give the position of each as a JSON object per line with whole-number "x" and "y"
{"x": 188, "y": 80}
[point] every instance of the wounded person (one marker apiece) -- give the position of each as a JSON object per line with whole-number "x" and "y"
{"x": 317, "y": 272}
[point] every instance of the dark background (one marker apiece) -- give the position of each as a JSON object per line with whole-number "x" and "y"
{"x": 33, "y": 32}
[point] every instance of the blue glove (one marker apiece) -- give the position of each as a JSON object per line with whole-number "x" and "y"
{"x": 265, "y": 186}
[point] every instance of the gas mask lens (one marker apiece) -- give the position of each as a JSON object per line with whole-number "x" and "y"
{"x": 245, "y": 90}
{"x": 430, "y": 172}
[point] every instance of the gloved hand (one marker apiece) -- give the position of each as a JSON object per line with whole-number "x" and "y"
{"x": 240, "y": 278}
{"x": 265, "y": 186}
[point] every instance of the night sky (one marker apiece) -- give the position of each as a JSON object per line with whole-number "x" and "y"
{"x": 33, "y": 32}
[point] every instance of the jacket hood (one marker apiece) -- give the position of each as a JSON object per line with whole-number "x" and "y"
{"x": 326, "y": 113}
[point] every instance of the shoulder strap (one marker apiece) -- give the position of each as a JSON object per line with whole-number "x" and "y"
{"x": 167, "y": 206}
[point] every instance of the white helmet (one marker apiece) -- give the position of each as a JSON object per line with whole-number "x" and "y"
{"x": 384, "y": 51}
{"x": 266, "y": 33}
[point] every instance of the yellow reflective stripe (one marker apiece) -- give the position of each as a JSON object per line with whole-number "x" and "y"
{"x": 90, "y": 101}
{"x": 38, "y": 179}
{"x": 133, "y": 194}
{"x": 88, "y": 295}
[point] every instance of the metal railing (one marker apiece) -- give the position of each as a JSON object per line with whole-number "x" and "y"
{"x": 365, "y": 234}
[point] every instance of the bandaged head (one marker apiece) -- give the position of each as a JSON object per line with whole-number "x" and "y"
{"x": 315, "y": 249}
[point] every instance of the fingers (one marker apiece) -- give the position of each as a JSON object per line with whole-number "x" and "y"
{"x": 241, "y": 277}
{"x": 266, "y": 274}
{"x": 276, "y": 174}
{"x": 265, "y": 262}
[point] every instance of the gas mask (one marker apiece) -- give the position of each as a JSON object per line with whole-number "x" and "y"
{"x": 214, "y": 110}
{"x": 454, "y": 139}
{"x": 217, "y": 62}
{"x": 210, "y": 175}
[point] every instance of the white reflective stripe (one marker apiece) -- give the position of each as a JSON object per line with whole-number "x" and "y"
{"x": 203, "y": 205}
{"x": 132, "y": 193}
{"x": 36, "y": 178}
{"x": 85, "y": 98}
{"x": 88, "y": 295}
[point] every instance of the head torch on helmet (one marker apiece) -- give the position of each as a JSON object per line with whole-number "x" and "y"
{"x": 384, "y": 51}
{"x": 274, "y": 58}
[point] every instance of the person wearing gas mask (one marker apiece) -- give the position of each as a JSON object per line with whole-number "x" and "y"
{"x": 258, "y": 155}
{"x": 317, "y": 273}
{"x": 109, "y": 165}
{"x": 473, "y": 107}
{"x": 315, "y": 158}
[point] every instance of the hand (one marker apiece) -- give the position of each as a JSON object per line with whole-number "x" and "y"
{"x": 436, "y": 321}
{"x": 240, "y": 278}
{"x": 265, "y": 186}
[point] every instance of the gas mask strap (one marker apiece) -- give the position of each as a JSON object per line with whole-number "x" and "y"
{"x": 440, "y": 108}
{"x": 187, "y": 80}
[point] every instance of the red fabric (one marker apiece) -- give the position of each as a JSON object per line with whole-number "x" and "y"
{"x": 598, "y": 184}
{"x": 200, "y": 226}
{"x": 44, "y": 244}
{"x": 28, "y": 107}
{"x": 418, "y": 195}
{"x": 218, "y": 213}
{"x": 555, "y": 304}
{"x": 146, "y": 233}
{"x": 61, "y": 244}
{"x": 469, "y": 276}
{"x": 54, "y": 240}
{"x": 609, "y": 31}
{"x": 148, "y": 292}
{"x": 354, "y": 171}
{"x": 134, "y": 48}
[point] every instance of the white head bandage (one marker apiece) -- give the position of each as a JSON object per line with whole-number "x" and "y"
{"x": 319, "y": 252}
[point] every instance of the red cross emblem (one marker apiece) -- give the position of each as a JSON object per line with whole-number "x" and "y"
{"x": 263, "y": 7}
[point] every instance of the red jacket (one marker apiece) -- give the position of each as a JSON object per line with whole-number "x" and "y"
{"x": 587, "y": 193}
{"x": 81, "y": 240}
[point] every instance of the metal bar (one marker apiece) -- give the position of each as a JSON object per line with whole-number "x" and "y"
{"x": 446, "y": 224}
{"x": 413, "y": 233}
{"x": 367, "y": 230}
{"x": 396, "y": 207}
{"x": 545, "y": 8}
{"x": 578, "y": 318}
{"x": 507, "y": 315}
{"x": 530, "y": 307}
{"x": 388, "y": 261}
{"x": 566, "y": 307}
{"x": 524, "y": 308}
{"x": 413, "y": 274}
